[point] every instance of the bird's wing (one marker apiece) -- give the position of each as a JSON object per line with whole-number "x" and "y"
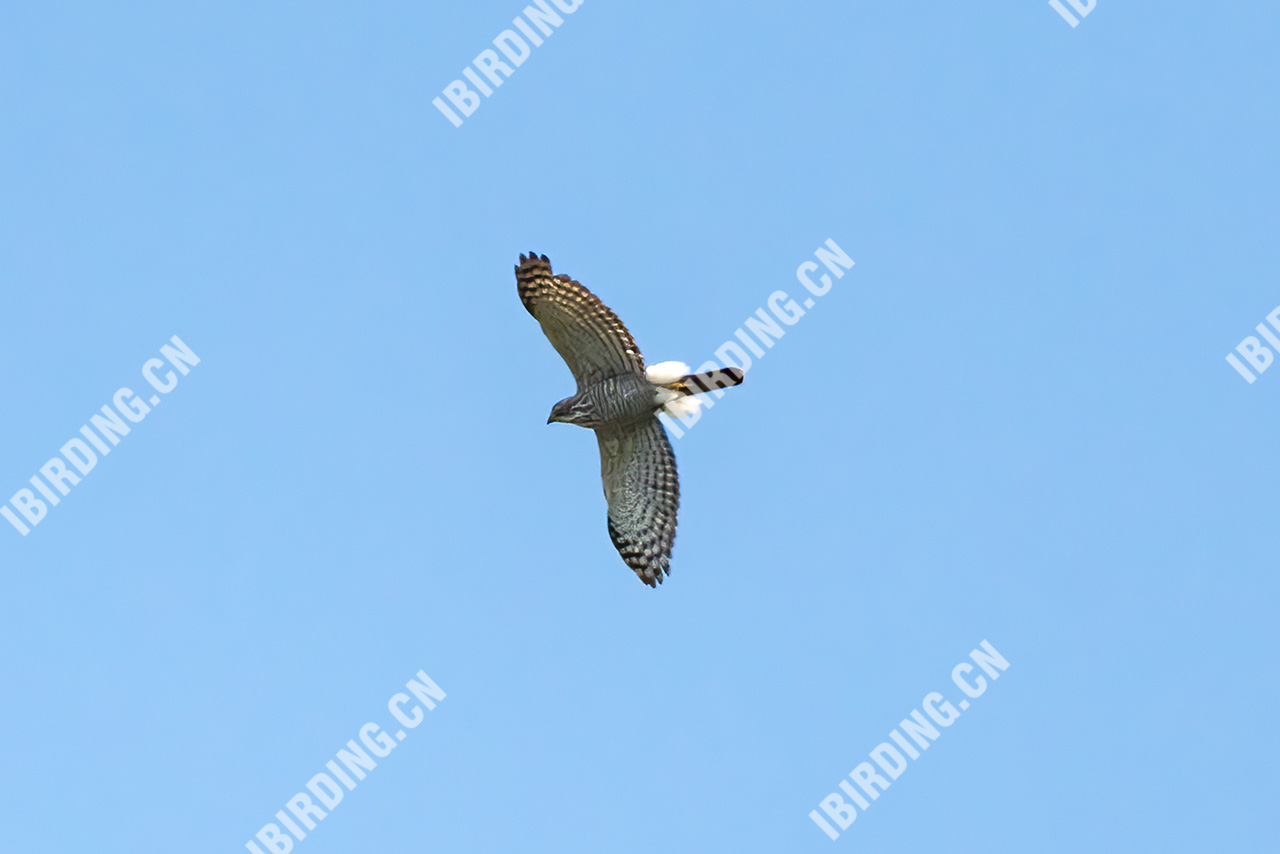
{"x": 643, "y": 490}
{"x": 587, "y": 335}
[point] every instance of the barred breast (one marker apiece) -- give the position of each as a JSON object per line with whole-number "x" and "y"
{"x": 622, "y": 400}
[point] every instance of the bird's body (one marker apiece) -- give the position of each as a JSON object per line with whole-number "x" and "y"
{"x": 612, "y": 403}
{"x": 620, "y": 400}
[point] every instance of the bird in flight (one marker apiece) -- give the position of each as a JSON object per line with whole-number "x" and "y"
{"x": 620, "y": 399}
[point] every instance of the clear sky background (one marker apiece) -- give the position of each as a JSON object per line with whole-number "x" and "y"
{"x": 1011, "y": 421}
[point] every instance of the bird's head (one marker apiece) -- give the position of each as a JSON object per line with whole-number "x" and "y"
{"x": 571, "y": 410}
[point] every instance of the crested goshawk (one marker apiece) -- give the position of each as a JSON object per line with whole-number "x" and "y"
{"x": 619, "y": 399}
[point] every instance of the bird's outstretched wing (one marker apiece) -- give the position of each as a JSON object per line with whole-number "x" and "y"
{"x": 643, "y": 491}
{"x": 587, "y": 335}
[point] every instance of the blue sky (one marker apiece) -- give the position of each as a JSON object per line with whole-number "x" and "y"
{"x": 1012, "y": 421}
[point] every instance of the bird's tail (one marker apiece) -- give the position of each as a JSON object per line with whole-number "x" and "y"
{"x": 708, "y": 380}
{"x": 676, "y": 376}
{"x": 677, "y": 386}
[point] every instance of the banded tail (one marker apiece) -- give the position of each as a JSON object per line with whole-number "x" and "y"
{"x": 676, "y": 376}
{"x": 708, "y": 381}
{"x": 677, "y": 386}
